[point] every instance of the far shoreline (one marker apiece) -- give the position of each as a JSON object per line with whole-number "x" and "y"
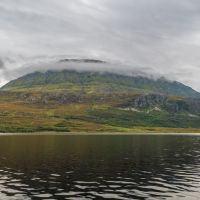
{"x": 50, "y": 133}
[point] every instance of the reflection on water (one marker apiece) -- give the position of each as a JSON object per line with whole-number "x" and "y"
{"x": 99, "y": 167}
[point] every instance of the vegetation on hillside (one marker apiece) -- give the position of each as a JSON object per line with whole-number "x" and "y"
{"x": 97, "y": 82}
{"x": 71, "y": 101}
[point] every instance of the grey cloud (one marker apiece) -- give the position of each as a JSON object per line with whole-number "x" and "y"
{"x": 159, "y": 37}
{"x": 1, "y": 64}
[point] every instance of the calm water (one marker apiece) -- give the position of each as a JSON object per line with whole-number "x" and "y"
{"x": 100, "y": 167}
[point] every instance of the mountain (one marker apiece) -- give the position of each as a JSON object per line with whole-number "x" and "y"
{"x": 88, "y": 101}
{"x": 97, "y": 82}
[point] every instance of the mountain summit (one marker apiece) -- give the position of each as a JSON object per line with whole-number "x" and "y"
{"x": 100, "y": 82}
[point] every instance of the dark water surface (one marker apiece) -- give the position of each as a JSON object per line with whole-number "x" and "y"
{"x": 100, "y": 167}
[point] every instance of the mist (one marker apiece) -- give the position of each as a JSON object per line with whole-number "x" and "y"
{"x": 55, "y": 64}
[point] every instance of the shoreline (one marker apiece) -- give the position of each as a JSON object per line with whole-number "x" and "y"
{"x": 98, "y": 134}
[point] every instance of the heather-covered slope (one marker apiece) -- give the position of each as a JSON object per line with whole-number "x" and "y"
{"x": 89, "y": 101}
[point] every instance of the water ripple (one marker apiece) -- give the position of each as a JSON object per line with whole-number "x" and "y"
{"x": 100, "y": 167}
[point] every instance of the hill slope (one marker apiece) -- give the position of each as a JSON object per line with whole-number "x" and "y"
{"x": 90, "y": 101}
{"x": 97, "y": 82}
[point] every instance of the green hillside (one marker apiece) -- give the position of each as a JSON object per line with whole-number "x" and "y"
{"x": 72, "y": 101}
{"x": 97, "y": 82}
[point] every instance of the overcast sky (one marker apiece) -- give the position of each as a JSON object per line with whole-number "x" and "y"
{"x": 158, "y": 36}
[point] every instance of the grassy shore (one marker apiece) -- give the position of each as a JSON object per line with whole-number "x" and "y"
{"x": 112, "y": 131}
{"x": 88, "y": 117}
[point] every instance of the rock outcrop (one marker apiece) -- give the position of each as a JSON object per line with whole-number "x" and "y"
{"x": 146, "y": 101}
{"x": 167, "y": 103}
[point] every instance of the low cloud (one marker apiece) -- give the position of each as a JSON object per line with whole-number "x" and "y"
{"x": 1, "y": 65}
